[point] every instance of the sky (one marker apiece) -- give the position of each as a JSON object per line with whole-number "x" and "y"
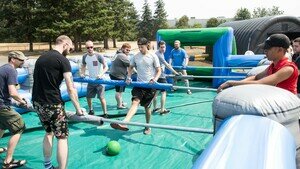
{"x": 205, "y": 9}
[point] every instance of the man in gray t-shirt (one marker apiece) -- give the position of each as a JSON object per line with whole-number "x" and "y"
{"x": 148, "y": 71}
{"x": 118, "y": 71}
{"x": 162, "y": 79}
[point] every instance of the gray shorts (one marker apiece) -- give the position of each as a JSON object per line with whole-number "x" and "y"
{"x": 93, "y": 89}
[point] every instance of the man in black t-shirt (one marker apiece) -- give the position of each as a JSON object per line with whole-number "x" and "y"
{"x": 50, "y": 70}
{"x": 9, "y": 118}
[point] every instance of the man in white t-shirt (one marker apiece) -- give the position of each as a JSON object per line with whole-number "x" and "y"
{"x": 148, "y": 71}
{"x": 93, "y": 62}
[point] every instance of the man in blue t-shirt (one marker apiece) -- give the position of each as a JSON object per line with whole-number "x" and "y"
{"x": 179, "y": 57}
{"x": 9, "y": 118}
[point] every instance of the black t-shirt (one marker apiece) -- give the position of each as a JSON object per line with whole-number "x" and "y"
{"x": 47, "y": 76}
{"x": 8, "y": 76}
{"x": 296, "y": 60}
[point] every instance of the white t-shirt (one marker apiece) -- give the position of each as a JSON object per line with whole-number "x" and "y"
{"x": 94, "y": 64}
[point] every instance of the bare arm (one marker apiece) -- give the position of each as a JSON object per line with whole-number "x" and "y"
{"x": 272, "y": 79}
{"x": 105, "y": 68}
{"x": 15, "y": 95}
{"x": 82, "y": 70}
{"x": 158, "y": 72}
{"x": 168, "y": 66}
{"x": 72, "y": 92}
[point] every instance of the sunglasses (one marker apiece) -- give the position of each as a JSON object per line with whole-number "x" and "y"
{"x": 90, "y": 47}
{"x": 19, "y": 59}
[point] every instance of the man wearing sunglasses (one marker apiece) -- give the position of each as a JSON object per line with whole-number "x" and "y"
{"x": 50, "y": 70}
{"x": 94, "y": 62}
{"x": 148, "y": 71}
{"x": 9, "y": 118}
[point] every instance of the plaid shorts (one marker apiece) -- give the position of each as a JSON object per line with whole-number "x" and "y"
{"x": 53, "y": 118}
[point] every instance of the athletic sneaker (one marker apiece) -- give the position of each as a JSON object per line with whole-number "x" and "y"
{"x": 147, "y": 131}
{"x": 91, "y": 112}
{"x": 189, "y": 92}
{"x": 166, "y": 111}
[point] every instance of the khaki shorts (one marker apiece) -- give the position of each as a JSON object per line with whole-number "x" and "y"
{"x": 11, "y": 120}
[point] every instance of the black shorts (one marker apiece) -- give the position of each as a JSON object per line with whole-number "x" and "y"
{"x": 53, "y": 118}
{"x": 162, "y": 80}
{"x": 144, "y": 95}
{"x": 118, "y": 88}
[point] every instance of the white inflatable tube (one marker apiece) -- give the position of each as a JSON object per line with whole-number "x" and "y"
{"x": 249, "y": 142}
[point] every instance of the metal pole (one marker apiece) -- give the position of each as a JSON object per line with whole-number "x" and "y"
{"x": 195, "y": 88}
{"x": 200, "y": 67}
{"x": 96, "y": 119}
{"x": 205, "y": 77}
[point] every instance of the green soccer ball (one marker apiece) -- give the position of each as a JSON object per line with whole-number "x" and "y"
{"x": 113, "y": 148}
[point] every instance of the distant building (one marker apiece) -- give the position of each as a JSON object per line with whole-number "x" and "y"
{"x": 193, "y": 21}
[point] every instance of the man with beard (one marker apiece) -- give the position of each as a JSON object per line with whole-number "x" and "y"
{"x": 50, "y": 70}
{"x": 118, "y": 71}
{"x": 10, "y": 119}
{"x": 179, "y": 57}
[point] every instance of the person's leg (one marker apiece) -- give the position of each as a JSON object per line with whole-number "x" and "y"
{"x": 132, "y": 110}
{"x": 12, "y": 121}
{"x": 12, "y": 143}
{"x": 186, "y": 81}
{"x": 103, "y": 104}
{"x": 62, "y": 152}
{"x": 147, "y": 130}
{"x": 163, "y": 100}
{"x": 155, "y": 102}
{"x": 89, "y": 102}
{"x": 101, "y": 96}
{"x": 47, "y": 149}
{"x": 118, "y": 97}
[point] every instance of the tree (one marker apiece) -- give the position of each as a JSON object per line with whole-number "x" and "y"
{"x": 160, "y": 17}
{"x": 262, "y": 12}
{"x": 146, "y": 24}
{"x": 183, "y": 22}
{"x": 275, "y": 11}
{"x": 212, "y": 22}
{"x": 125, "y": 20}
{"x": 18, "y": 20}
{"x": 197, "y": 25}
{"x": 259, "y": 12}
{"x": 242, "y": 14}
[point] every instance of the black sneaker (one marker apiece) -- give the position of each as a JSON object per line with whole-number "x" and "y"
{"x": 105, "y": 115}
{"x": 91, "y": 112}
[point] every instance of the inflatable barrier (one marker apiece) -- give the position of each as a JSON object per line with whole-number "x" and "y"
{"x": 260, "y": 100}
{"x": 224, "y": 48}
{"x": 25, "y": 80}
{"x": 248, "y": 142}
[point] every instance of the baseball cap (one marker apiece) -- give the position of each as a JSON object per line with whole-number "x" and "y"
{"x": 17, "y": 54}
{"x": 276, "y": 40}
{"x": 142, "y": 41}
